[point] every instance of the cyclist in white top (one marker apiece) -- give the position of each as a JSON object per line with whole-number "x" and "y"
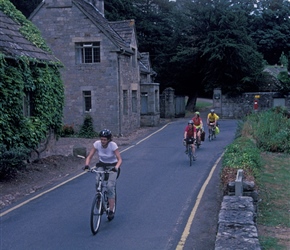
{"x": 109, "y": 156}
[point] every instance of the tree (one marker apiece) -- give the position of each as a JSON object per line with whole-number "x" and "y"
{"x": 220, "y": 48}
{"x": 270, "y": 28}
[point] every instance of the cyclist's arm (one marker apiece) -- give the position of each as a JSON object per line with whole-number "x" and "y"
{"x": 88, "y": 159}
{"x": 201, "y": 124}
{"x": 119, "y": 158}
{"x": 185, "y": 134}
{"x": 207, "y": 119}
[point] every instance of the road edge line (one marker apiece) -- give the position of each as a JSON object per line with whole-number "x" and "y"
{"x": 57, "y": 186}
{"x": 186, "y": 230}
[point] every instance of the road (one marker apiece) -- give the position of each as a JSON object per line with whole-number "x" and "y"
{"x": 158, "y": 194}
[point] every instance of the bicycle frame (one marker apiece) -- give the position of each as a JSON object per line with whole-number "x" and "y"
{"x": 190, "y": 154}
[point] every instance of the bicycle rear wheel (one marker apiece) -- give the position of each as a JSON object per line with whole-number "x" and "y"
{"x": 190, "y": 155}
{"x": 96, "y": 213}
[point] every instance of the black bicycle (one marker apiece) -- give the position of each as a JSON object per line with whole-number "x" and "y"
{"x": 189, "y": 144}
{"x": 100, "y": 203}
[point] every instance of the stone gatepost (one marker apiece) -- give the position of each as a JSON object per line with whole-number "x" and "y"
{"x": 217, "y": 101}
{"x": 167, "y": 103}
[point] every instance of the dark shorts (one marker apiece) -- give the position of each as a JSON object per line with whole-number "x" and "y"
{"x": 189, "y": 140}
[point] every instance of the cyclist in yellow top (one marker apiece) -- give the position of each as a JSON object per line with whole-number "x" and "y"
{"x": 212, "y": 117}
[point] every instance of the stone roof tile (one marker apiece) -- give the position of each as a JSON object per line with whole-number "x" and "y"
{"x": 102, "y": 23}
{"x": 14, "y": 44}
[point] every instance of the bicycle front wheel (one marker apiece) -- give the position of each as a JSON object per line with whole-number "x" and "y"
{"x": 96, "y": 213}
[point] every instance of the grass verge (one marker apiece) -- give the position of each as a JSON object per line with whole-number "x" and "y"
{"x": 261, "y": 149}
{"x": 273, "y": 220}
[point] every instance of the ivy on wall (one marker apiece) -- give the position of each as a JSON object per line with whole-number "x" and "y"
{"x": 41, "y": 80}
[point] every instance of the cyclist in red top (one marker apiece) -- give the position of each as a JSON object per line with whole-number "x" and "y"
{"x": 190, "y": 135}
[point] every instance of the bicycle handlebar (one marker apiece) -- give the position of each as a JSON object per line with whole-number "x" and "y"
{"x": 107, "y": 171}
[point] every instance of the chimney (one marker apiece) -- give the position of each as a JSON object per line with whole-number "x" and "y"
{"x": 99, "y": 4}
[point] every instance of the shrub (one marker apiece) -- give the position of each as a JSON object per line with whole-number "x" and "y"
{"x": 87, "y": 129}
{"x": 244, "y": 154}
{"x": 67, "y": 130}
{"x": 11, "y": 161}
{"x": 270, "y": 129}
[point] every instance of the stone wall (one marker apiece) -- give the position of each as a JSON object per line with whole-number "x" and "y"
{"x": 237, "y": 107}
{"x": 237, "y": 217}
{"x": 236, "y": 225}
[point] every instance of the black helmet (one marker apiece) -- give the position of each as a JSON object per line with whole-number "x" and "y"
{"x": 106, "y": 133}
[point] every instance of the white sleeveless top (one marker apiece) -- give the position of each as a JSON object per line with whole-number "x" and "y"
{"x": 106, "y": 155}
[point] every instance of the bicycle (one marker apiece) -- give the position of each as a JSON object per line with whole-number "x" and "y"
{"x": 189, "y": 144}
{"x": 100, "y": 203}
{"x": 211, "y": 131}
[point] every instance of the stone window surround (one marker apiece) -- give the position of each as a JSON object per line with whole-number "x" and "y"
{"x": 87, "y": 39}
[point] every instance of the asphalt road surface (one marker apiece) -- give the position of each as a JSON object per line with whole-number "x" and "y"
{"x": 163, "y": 203}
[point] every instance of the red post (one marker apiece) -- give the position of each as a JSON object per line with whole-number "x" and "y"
{"x": 255, "y": 104}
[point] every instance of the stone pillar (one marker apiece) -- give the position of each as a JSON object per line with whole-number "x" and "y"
{"x": 168, "y": 105}
{"x": 217, "y": 101}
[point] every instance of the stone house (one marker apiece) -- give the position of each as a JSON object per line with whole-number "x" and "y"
{"x": 150, "y": 104}
{"x": 101, "y": 63}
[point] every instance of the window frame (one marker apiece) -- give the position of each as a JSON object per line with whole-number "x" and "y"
{"x": 87, "y": 100}
{"x": 88, "y": 52}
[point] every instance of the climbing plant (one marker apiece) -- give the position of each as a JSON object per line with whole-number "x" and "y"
{"x": 28, "y": 81}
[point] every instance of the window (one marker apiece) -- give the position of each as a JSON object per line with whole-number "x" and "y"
{"x": 144, "y": 103}
{"x": 125, "y": 102}
{"x": 88, "y": 52}
{"x": 27, "y": 104}
{"x": 87, "y": 100}
{"x": 134, "y": 101}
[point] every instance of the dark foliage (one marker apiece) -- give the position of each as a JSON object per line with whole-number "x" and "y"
{"x": 11, "y": 161}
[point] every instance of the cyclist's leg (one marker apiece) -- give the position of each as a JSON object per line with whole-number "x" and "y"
{"x": 111, "y": 189}
{"x": 199, "y": 136}
{"x": 98, "y": 175}
{"x": 193, "y": 149}
{"x": 209, "y": 130}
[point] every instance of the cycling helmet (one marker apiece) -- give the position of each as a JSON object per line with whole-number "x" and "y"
{"x": 212, "y": 110}
{"x": 197, "y": 113}
{"x": 106, "y": 133}
{"x": 190, "y": 122}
